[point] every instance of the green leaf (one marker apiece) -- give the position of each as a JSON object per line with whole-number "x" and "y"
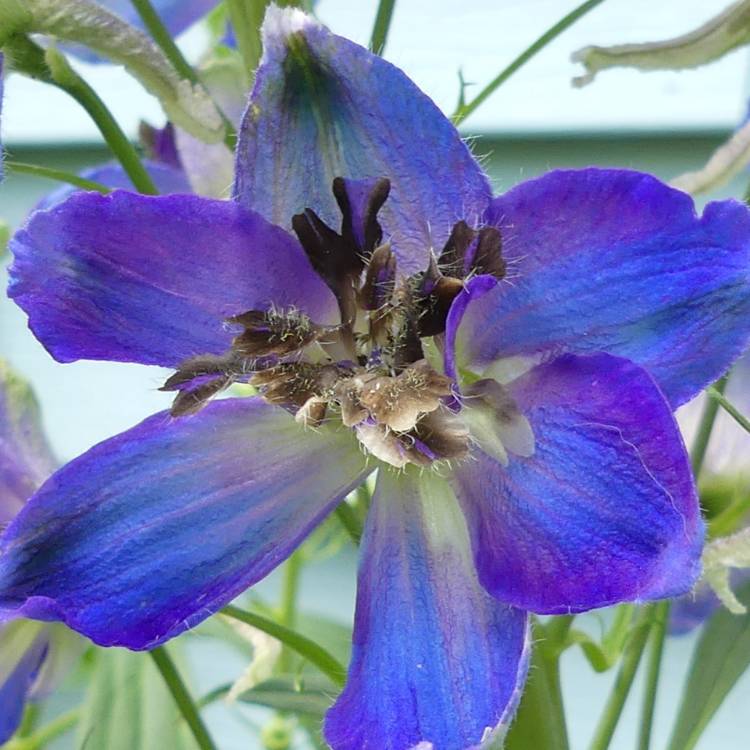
{"x": 128, "y": 706}
{"x": 720, "y": 658}
{"x": 311, "y": 695}
{"x": 88, "y": 23}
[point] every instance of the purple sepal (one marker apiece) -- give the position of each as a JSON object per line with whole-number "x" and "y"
{"x": 154, "y": 530}
{"x": 605, "y": 510}
{"x": 324, "y": 107}
{"x": 616, "y": 261}
{"x": 436, "y": 659}
{"x": 135, "y": 278}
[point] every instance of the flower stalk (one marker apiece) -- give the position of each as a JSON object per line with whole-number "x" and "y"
{"x": 58, "y": 175}
{"x": 54, "y": 69}
{"x": 161, "y": 36}
{"x": 310, "y": 650}
{"x": 182, "y": 697}
{"x": 464, "y": 110}
{"x": 382, "y": 26}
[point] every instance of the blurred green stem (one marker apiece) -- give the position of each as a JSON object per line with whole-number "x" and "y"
{"x": 540, "y": 721}
{"x": 382, "y": 25}
{"x": 44, "y": 735}
{"x": 29, "y": 58}
{"x": 57, "y": 175}
{"x": 660, "y": 615}
{"x": 623, "y": 682}
{"x": 159, "y": 33}
{"x": 246, "y": 17}
{"x": 729, "y": 408}
{"x": 464, "y": 110}
{"x": 310, "y": 650}
{"x": 292, "y": 570}
{"x": 182, "y": 697}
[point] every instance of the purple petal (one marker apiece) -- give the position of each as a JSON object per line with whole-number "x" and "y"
{"x": 615, "y": 261}
{"x": 154, "y": 530}
{"x": 25, "y": 456}
{"x": 605, "y": 510}
{"x": 167, "y": 180}
{"x": 435, "y": 658}
{"x": 324, "y": 107}
{"x": 16, "y": 686}
{"x": 134, "y": 278}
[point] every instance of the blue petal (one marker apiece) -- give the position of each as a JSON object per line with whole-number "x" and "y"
{"x": 154, "y": 530}
{"x": 324, "y": 107}
{"x": 604, "y": 510}
{"x": 435, "y": 659}
{"x": 134, "y": 278}
{"x": 615, "y": 261}
{"x": 167, "y": 180}
{"x": 25, "y": 456}
{"x": 16, "y": 686}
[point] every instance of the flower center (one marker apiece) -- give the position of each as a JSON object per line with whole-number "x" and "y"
{"x": 370, "y": 372}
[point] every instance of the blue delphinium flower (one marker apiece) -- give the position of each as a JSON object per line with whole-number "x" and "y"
{"x": 509, "y": 366}
{"x": 33, "y": 655}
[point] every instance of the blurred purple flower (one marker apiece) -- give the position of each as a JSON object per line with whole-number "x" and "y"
{"x": 509, "y": 364}
{"x": 33, "y": 656}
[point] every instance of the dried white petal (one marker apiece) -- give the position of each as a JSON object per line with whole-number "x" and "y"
{"x": 712, "y": 40}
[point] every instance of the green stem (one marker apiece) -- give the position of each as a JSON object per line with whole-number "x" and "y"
{"x": 348, "y": 518}
{"x": 465, "y": 110}
{"x": 310, "y": 650}
{"x": 246, "y": 17}
{"x": 542, "y": 696}
{"x": 623, "y": 682}
{"x": 182, "y": 698}
{"x": 706, "y": 425}
{"x": 382, "y": 25}
{"x": 730, "y": 408}
{"x": 153, "y": 23}
{"x": 159, "y": 33}
{"x": 656, "y": 650}
{"x": 44, "y": 735}
{"x": 30, "y": 59}
{"x": 57, "y": 174}
{"x": 289, "y": 588}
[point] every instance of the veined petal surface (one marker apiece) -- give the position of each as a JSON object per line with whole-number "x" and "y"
{"x": 615, "y": 261}
{"x": 436, "y": 660}
{"x": 324, "y": 107}
{"x": 135, "y": 278}
{"x": 152, "y": 531}
{"x": 605, "y": 510}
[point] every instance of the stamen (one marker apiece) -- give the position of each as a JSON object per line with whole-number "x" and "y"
{"x": 273, "y": 333}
